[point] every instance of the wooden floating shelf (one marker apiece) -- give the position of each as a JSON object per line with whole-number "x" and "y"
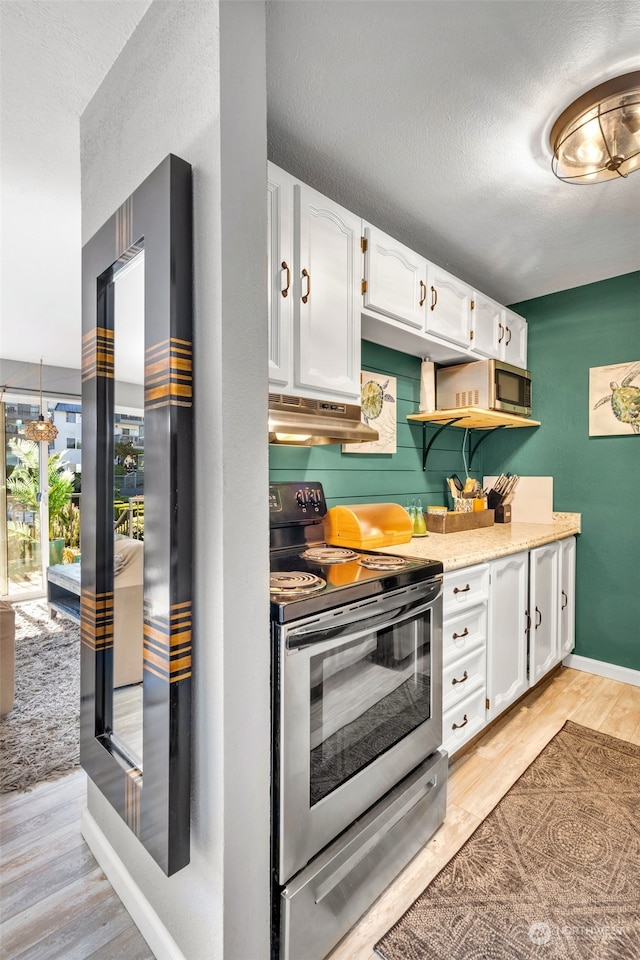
{"x": 473, "y": 418}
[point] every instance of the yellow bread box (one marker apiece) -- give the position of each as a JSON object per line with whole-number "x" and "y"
{"x": 367, "y": 526}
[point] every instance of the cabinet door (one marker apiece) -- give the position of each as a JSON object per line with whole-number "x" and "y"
{"x": 543, "y": 610}
{"x": 280, "y": 274}
{"x": 327, "y": 297}
{"x": 567, "y": 595}
{"x": 448, "y": 304}
{"x": 395, "y": 279}
{"x": 514, "y": 342}
{"x": 487, "y": 325}
{"x": 507, "y": 635}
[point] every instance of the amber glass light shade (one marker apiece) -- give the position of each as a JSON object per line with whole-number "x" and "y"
{"x": 41, "y": 430}
{"x": 598, "y": 136}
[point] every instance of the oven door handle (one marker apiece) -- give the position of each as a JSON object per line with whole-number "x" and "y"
{"x": 352, "y": 629}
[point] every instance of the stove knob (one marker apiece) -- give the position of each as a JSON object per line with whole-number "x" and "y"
{"x": 301, "y": 498}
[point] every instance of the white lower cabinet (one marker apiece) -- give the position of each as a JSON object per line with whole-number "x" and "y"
{"x": 567, "y": 595}
{"x": 506, "y": 623}
{"x": 507, "y": 677}
{"x": 544, "y": 610}
{"x": 463, "y": 721}
{"x": 464, "y": 646}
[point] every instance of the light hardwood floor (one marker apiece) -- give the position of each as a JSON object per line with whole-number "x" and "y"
{"x": 55, "y": 903}
{"x": 481, "y": 777}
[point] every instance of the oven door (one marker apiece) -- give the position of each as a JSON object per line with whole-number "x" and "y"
{"x": 360, "y": 707}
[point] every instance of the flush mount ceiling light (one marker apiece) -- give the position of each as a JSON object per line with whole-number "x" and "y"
{"x": 598, "y": 136}
{"x": 44, "y": 431}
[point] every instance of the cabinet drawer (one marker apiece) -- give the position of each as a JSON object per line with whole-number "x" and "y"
{"x": 463, "y": 721}
{"x": 460, "y": 634}
{"x": 463, "y": 676}
{"x": 464, "y": 588}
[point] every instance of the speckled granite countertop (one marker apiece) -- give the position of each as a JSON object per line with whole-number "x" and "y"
{"x": 457, "y": 550}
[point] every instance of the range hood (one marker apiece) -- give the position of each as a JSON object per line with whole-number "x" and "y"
{"x": 303, "y": 422}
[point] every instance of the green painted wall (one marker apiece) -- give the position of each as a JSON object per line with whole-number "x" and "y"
{"x": 569, "y": 332}
{"x": 381, "y": 478}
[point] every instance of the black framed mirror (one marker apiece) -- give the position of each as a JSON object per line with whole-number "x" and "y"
{"x": 136, "y": 630}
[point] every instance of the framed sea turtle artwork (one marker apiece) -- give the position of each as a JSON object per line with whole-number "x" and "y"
{"x": 614, "y": 399}
{"x": 378, "y": 405}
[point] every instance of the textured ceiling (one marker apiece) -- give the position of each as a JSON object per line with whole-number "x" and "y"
{"x": 428, "y": 118}
{"x": 431, "y": 119}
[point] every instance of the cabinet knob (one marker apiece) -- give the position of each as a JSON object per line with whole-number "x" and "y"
{"x": 459, "y": 726}
{"x": 285, "y": 266}
{"x": 305, "y": 273}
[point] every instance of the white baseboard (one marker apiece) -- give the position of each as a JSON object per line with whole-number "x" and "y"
{"x": 602, "y": 669}
{"x": 160, "y": 941}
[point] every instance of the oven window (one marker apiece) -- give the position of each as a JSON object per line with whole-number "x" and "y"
{"x": 365, "y": 696}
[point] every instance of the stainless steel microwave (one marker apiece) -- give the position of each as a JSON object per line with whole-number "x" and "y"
{"x": 487, "y": 384}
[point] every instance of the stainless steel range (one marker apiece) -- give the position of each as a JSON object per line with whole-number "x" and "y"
{"x": 359, "y": 781}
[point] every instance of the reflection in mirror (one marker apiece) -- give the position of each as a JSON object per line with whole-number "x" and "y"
{"x": 128, "y": 501}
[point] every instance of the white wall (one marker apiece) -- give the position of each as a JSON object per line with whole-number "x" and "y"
{"x": 191, "y": 81}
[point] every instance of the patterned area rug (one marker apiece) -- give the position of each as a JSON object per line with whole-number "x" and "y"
{"x": 39, "y": 738}
{"x": 552, "y": 873}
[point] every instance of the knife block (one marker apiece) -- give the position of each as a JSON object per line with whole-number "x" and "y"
{"x": 503, "y": 513}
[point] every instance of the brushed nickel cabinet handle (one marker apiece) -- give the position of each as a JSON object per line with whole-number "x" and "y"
{"x": 465, "y": 676}
{"x": 459, "y": 636}
{"x": 434, "y": 298}
{"x": 285, "y": 266}
{"x": 462, "y": 589}
{"x": 305, "y": 273}
{"x": 566, "y": 600}
{"x": 459, "y": 726}
{"x": 538, "y": 622}
{"x": 423, "y": 287}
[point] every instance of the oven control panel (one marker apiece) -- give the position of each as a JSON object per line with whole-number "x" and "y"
{"x": 293, "y": 502}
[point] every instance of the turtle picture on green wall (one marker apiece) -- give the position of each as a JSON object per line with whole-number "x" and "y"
{"x": 378, "y": 406}
{"x": 614, "y": 399}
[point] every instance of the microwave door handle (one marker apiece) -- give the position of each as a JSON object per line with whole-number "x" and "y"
{"x": 295, "y": 639}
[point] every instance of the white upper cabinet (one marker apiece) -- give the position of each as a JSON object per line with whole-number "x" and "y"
{"x": 327, "y": 288}
{"x": 280, "y": 274}
{"x": 513, "y": 348}
{"x": 395, "y": 279}
{"x": 487, "y": 324}
{"x": 498, "y": 332}
{"x": 327, "y": 297}
{"x": 314, "y": 282}
{"x": 448, "y": 307}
